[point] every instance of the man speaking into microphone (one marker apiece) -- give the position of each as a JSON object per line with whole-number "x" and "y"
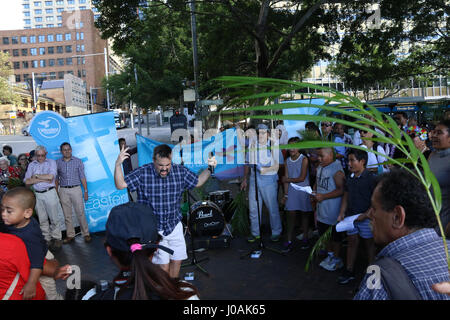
{"x": 160, "y": 184}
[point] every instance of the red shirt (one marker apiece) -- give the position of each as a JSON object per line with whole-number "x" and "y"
{"x": 13, "y": 260}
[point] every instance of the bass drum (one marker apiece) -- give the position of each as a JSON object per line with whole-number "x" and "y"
{"x": 206, "y": 219}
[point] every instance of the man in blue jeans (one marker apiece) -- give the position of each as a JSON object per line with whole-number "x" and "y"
{"x": 265, "y": 155}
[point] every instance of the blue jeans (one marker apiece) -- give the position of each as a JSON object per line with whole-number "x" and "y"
{"x": 267, "y": 192}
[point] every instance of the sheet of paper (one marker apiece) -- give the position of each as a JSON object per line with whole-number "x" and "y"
{"x": 306, "y": 189}
{"x": 347, "y": 223}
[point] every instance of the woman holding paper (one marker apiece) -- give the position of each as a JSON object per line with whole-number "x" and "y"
{"x": 296, "y": 201}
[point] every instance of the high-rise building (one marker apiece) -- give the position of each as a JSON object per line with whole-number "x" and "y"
{"x": 75, "y": 48}
{"x": 48, "y": 13}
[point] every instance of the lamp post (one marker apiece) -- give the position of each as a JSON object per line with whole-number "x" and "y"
{"x": 106, "y": 69}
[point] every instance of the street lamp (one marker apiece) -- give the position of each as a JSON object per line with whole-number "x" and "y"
{"x": 106, "y": 69}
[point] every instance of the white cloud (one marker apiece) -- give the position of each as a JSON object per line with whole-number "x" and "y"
{"x": 11, "y": 17}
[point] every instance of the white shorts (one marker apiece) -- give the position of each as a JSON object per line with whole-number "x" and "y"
{"x": 174, "y": 241}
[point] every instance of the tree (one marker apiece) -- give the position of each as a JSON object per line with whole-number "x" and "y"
{"x": 408, "y": 41}
{"x": 7, "y": 94}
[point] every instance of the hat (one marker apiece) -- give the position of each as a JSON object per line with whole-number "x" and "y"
{"x": 133, "y": 220}
{"x": 262, "y": 126}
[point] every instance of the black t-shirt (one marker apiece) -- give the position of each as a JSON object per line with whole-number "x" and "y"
{"x": 34, "y": 241}
{"x": 360, "y": 191}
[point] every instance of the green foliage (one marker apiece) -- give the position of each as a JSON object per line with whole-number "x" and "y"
{"x": 320, "y": 244}
{"x": 240, "y": 222}
{"x": 7, "y": 94}
{"x": 244, "y": 90}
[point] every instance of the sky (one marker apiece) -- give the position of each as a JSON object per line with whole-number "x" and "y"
{"x": 11, "y": 15}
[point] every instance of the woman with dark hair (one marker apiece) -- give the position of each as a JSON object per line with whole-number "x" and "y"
{"x": 22, "y": 165}
{"x": 131, "y": 240}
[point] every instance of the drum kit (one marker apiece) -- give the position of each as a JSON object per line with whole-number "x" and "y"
{"x": 210, "y": 217}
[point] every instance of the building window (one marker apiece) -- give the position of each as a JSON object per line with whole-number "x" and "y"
{"x": 26, "y": 13}
{"x": 59, "y": 37}
{"x": 60, "y": 62}
{"x": 38, "y": 19}
{"x": 27, "y": 21}
{"x": 59, "y": 2}
{"x": 69, "y": 2}
{"x": 42, "y": 63}
{"x": 24, "y": 64}
{"x": 82, "y": 8}
{"x": 32, "y": 39}
{"x": 38, "y": 11}
{"x": 81, "y": 60}
{"x": 68, "y": 49}
{"x": 26, "y": 6}
{"x": 51, "y": 62}
{"x": 51, "y": 50}
{"x": 16, "y": 65}
{"x": 49, "y": 11}
{"x": 23, "y": 39}
{"x": 25, "y": 76}
{"x": 33, "y": 51}
{"x": 59, "y": 10}
{"x": 51, "y": 25}
{"x": 17, "y": 77}
{"x": 68, "y": 36}
{"x": 34, "y": 64}
{"x": 82, "y": 1}
{"x": 48, "y": 3}
{"x": 52, "y": 75}
{"x": 49, "y": 18}
{"x": 61, "y": 75}
{"x": 41, "y": 39}
{"x": 59, "y": 49}
{"x": 83, "y": 73}
{"x": 70, "y": 72}
{"x": 37, "y": 3}
{"x": 15, "y": 40}
{"x": 59, "y": 24}
{"x": 24, "y": 52}
{"x": 5, "y": 40}
{"x": 15, "y": 52}
{"x": 50, "y": 38}
{"x": 38, "y": 26}
{"x": 69, "y": 61}
{"x": 79, "y": 73}
{"x": 80, "y": 35}
{"x": 41, "y": 51}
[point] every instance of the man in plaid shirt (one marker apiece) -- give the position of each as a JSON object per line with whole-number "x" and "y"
{"x": 402, "y": 223}
{"x": 160, "y": 185}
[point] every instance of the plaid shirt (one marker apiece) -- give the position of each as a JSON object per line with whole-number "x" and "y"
{"x": 162, "y": 194}
{"x": 70, "y": 173}
{"x": 46, "y": 167}
{"x": 422, "y": 255}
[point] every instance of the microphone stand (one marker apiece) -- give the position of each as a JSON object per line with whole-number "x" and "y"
{"x": 194, "y": 261}
{"x": 261, "y": 245}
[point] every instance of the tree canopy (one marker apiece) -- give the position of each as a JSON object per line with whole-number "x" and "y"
{"x": 7, "y": 94}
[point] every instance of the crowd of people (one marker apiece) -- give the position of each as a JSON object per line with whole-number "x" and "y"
{"x": 394, "y": 213}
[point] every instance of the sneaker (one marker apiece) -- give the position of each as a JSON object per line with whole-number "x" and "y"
{"x": 325, "y": 262}
{"x": 68, "y": 240}
{"x": 87, "y": 239}
{"x": 287, "y": 247}
{"x": 346, "y": 277}
{"x": 275, "y": 238}
{"x": 252, "y": 238}
{"x": 334, "y": 264}
{"x": 305, "y": 244}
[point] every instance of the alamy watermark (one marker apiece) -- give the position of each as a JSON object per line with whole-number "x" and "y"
{"x": 373, "y": 281}
{"x": 374, "y": 20}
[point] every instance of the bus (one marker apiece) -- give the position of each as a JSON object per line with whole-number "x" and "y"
{"x": 120, "y": 118}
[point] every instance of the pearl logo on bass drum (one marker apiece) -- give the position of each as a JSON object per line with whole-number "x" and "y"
{"x": 206, "y": 219}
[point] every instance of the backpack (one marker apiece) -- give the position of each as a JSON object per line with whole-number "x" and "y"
{"x": 396, "y": 281}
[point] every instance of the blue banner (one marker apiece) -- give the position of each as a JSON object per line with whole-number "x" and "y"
{"x": 293, "y": 126}
{"x": 224, "y": 146}
{"x": 94, "y": 140}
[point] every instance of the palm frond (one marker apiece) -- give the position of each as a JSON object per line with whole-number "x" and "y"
{"x": 320, "y": 243}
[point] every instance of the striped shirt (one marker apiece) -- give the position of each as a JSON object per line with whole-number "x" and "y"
{"x": 422, "y": 255}
{"x": 70, "y": 173}
{"x": 46, "y": 167}
{"x": 162, "y": 194}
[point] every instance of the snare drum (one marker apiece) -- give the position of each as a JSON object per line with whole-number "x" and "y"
{"x": 206, "y": 219}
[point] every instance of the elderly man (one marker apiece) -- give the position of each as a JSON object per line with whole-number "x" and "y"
{"x": 402, "y": 222}
{"x": 41, "y": 175}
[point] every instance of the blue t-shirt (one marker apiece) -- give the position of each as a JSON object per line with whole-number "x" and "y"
{"x": 34, "y": 241}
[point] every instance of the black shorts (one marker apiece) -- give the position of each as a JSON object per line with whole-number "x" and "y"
{"x": 335, "y": 236}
